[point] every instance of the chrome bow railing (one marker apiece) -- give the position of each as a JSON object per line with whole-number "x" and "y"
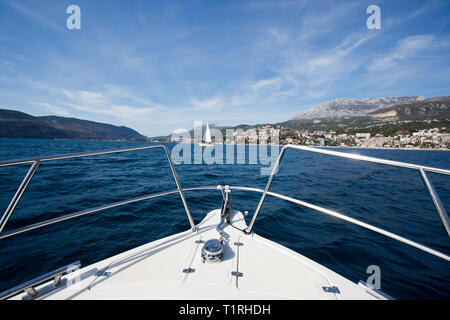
{"x": 422, "y": 169}
{"x": 35, "y": 164}
{"x": 37, "y": 161}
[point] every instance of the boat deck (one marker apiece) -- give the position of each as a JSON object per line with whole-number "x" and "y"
{"x": 171, "y": 268}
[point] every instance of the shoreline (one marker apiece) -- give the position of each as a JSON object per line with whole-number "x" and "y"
{"x": 335, "y": 147}
{"x": 246, "y": 144}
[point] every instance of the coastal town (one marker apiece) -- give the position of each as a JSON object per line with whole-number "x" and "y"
{"x": 434, "y": 138}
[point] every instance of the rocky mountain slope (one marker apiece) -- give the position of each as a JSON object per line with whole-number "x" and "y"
{"x": 346, "y": 107}
{"x": 433, "y": 112}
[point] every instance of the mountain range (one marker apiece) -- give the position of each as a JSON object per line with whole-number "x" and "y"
{"x": 347, "y": 107}
{"x": 16, "y": 124}
{"x": 380, "y": 115}
{"x": 415, "y": 112}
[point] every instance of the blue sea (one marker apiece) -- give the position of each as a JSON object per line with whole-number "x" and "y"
{"x": 391, "y": 198}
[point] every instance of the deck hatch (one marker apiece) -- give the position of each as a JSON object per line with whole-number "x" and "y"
{"x": 237, "y": 274}
{"x": 331, "y": 289}
{"x": 189, "y": 270}
{"x": 103, "y": 274}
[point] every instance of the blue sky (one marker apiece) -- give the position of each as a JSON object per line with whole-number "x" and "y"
{"x": 157, "y": 66}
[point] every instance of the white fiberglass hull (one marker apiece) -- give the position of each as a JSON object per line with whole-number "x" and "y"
{"x": 157, "y": 270}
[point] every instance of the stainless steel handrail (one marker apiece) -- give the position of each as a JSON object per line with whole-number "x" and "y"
{"x": 94, "y": 210}
{"x": 35, "y": 164}
{"x": 81, "y": 213}
{"x": 29, "y": 286}
{"x": 422, "y": 169}
{"x": 349, "y": 219}
{"x": 75, "y": 155}
{"x": 222, "y": 188}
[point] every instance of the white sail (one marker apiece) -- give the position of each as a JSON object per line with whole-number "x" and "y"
{"x": 207, "y": 136}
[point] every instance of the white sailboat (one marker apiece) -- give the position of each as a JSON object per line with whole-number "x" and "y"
{"x": 207, "y": 141}
{"x": 219, "y": 258}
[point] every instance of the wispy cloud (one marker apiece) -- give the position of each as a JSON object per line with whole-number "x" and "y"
{"x": 392, "y": 21}
{"x": 268, "y": 83}
{"x": 212, "y": 104}
{"x": 324, "y": 19}
{"x": 273, "y": 5}
{"x": 314, "y": 68}
{"x": 98, "y": 102}
{"x": 405, "y": 48}
{"x": 53, "y": 109}
{"x": 167, "y": 64}
{"x": 33, "y": 15}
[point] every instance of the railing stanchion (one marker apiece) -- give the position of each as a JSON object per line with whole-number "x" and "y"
{"x": 269, "y": 183}
{"x": 177, "y": 181}
{"x": 436, "y": 200}
{"x": 18, "y": 195}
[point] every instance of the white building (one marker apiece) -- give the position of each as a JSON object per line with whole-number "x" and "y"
{"x": 363, "y": 135}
